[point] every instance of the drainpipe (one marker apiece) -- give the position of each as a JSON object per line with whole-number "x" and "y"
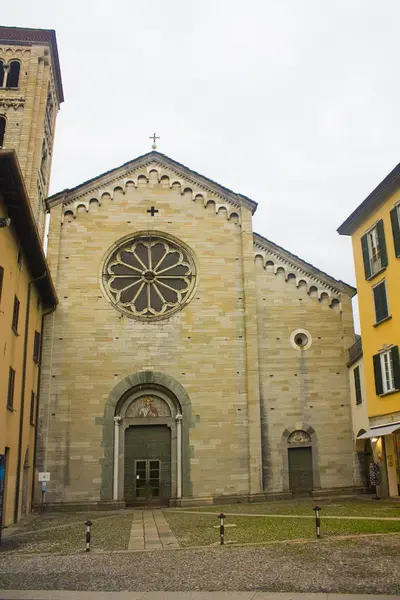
{"x": 21, "y": 413}
{"x": 37, "y": 404}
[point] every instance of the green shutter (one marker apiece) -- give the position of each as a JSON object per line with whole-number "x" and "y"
{"x": 382, "y": 243}
{"x": 357, "y": 385}
{"x": 396, "y": 366}
{"x": 378, "y": 374}
{"x": 367, "y": 264}
{"x": 394, "y": 215}
{"x": 380, "y": 300}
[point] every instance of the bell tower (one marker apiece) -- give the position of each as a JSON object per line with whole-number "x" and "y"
{"x": 30, "y": 97}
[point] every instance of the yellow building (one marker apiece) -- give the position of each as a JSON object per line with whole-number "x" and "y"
{"x": 26, "y": 294}
{"x": 375, "y": 230}
{"x": 30, "y": 96}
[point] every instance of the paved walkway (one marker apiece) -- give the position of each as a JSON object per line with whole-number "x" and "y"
{"x": 150, "y": 531}
{"x": 58, "y": 595}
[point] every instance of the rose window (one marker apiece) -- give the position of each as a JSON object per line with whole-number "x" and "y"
{"x": 149, "y": 277}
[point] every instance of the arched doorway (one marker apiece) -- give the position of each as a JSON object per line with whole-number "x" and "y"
{"x": 148, "y": 447}
{"x": 300, "y": 462}
{"x": 119, "y": 415}
{"x": 365, "y": 458}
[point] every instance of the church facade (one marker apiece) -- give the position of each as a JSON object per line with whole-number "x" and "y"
{"x": 189, "y": 359}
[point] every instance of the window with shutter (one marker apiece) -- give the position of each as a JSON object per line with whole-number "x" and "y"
{"x": 11, "y": 384}
{"x": 396, "y": 366}
{"x": 15, "y": 315}
{"x": 395, "y": 218}
{"x": 387, "y": 371}
{"x": 357, "y": 385}
{"x": 1, "y": 280}
{"x": 365, "y": 253}
{"x": 36, "y": 347}
{"x": 374, "y": 250}
{"x": 32, "y": 410}
{"x": 380, "y": 302}
{"x": 378, "y": 374}
{"x": 380, "y": 231}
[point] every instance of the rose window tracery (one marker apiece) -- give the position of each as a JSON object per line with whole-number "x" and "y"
{"x": 149, "y": 276}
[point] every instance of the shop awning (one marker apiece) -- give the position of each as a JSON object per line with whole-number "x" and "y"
{"x": 379, "y": 431}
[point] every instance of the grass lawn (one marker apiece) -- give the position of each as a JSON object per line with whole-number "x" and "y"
{"x": 200, "y": 529}
{"x": 46, "y": 535}
{"x": 356, "y": 508}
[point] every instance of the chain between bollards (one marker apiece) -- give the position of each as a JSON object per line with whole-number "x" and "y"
{"x": 221, "y": 518}
{"x": 317, "y": 521}
{"x": 88, "y": 526}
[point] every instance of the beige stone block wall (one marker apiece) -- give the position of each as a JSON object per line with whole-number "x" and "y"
{"x": 301, "y": 388}
{"x": 89, "y": 346}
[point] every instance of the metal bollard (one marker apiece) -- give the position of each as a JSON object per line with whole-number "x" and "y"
{"x": 317, "y": 521}
{"x": 221, "y": 518}
{"x": 88, "y": 526}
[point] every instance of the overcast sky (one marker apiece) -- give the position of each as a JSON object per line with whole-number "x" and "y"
{"x": 291, "y": 102}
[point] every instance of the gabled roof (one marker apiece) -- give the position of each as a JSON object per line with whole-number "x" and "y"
{"x": 377, "y": 197}
{"x": 304, "y": 266}
{"x": 24, "y": 36}
{"x": 15, "y": 197}
{"x": 142, "y": 161}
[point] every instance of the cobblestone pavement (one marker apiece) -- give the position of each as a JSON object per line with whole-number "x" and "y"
{"x": 367, "y": 566}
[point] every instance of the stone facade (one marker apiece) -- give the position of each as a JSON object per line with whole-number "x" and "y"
{"x": 30, "y": 108}
{"x": 228, "y": 363}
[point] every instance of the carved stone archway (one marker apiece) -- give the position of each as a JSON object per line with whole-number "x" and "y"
{"x": 120, "y": 401}
{"x": 300, "y": 435}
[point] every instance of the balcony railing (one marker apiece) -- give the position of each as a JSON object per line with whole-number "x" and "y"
{"x": 355, "y": 351}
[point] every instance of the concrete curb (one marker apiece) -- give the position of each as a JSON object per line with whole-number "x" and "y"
{"x": 76, "y": 595}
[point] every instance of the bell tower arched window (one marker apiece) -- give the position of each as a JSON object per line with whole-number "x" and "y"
{"x": 2, "y": 130}
{"x": 13, "y": 74}
{"x": 2, "y": 74}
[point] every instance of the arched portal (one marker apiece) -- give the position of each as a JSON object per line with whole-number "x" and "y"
{"x": 301, "y": 460}
{"x": 365, "y": 458}
{"x": 148, "y": 463}
{"x": 146, "y": 440}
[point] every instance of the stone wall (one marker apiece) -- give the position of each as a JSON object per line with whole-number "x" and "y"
{"x": 90, "y": 346}
{"x": 305, "y": 388}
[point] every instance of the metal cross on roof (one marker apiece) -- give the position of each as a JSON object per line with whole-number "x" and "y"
{"x": 154, "y": 137}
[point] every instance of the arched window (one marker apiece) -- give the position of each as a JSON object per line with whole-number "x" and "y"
{"x": 49, "y": 107}
{"x": 13, "y": 74}
{"x": 1, "y": 73}
{"x": 2, "y": 130}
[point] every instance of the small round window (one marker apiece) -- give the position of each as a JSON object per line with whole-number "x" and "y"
{"x": 300, "y": 339}
{"x": 149, "y": 276}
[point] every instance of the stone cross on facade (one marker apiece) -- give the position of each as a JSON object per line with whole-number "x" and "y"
{"x": 152, "y": 211}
